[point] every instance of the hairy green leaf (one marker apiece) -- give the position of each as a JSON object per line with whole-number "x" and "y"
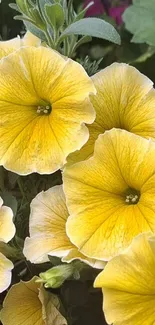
{"x": 139, "y": 19}
{"x": 94, "y": 27}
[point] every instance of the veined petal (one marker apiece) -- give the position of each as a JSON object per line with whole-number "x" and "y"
{"x": 128, "y": 284}
{"x": 5, "y": 272}
{"x": 47, "y": 226}
{"x": 22, "y": 305}
{"x": 29, "y": 303}
{"x": 102, "y": 219}
{"x": 125, "y": 99}
{"x": 74, "y": 254}
{"x": 48, "y": 230}
{"x": 7, "y": 47}
{"x": 7, "y": 227}
{"x": 32, "y": 142}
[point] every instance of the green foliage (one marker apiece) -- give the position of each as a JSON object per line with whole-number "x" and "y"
{"x": 57, "y": 23}
{"x": 139, "y": 19}
{"x": 93, "y": 27}
{"x": 55, "y": 15}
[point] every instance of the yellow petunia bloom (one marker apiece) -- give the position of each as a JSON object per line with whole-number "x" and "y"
{"x": 7, "y": 227}
{"x": 111, "y": 196}
{"x": 44, "y": 103}
{"x": 6, "y": 267}
{"x": 7, "y": 232}
{"x": 128, "y": 284}
{"x": 28, "y": 303}
{"x": 7, "y": 47}
{"x": 125, "y": 99}
{"x": 47, "y": 230}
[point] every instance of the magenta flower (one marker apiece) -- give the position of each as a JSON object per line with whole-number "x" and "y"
{"x": 113, "y": 10}
{"x": 96, "y": 9}
{"x": 116, "y": 13}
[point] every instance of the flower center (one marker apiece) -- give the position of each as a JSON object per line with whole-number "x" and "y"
{"x": 132, "y": 196}
{"x": 44, "y": 109}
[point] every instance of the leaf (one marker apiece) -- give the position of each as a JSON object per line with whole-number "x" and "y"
{"x": 13, "y": 6}
{"x": 139, "y": 19}
{"x": 94, "y": 27}
{"x": 55, "y": 15}
{"x": 22, "y": 5}
{"x": 35, "y": 30}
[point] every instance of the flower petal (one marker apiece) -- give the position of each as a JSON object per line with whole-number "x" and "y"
{"x": 40, "y": 143}
{"x": 7, "y": 47}
{"x": 128, "y": 284}
{"x": 30, "y": 40}
{"x": 50, "y": 308}
{"x": 22, "y": 305}
{"x": 125, "y": 99}
{"x": 5, "y": 272}
{"x": 29, "y": 303}
{"x": 74, "y": 254}
{"x": 101, "y": 223}
{"x": 47, "y": 226}
{"x": 7, "y": 227}
{"x": 48, "y": 230}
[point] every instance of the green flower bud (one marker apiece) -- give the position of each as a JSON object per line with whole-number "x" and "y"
{"x": 55, "y": 277}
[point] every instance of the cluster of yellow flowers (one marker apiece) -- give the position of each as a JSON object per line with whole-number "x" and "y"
{"x": 108, "y": 168}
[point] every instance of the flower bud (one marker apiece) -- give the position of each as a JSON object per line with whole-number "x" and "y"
{"x": 55, "y": 277}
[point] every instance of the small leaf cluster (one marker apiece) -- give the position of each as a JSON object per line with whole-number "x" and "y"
{"x": 59, "y": 25}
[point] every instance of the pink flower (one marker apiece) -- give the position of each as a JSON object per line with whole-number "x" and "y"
{"x": 116, "y": 13}
{"x": 113, "y": 10}
{"x": 96, "y": 9}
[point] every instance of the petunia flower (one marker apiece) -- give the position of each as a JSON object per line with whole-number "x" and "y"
{"x": 96, "y": 8}
{"x": 44, "y": 103}
{"x": 125, "y": 99}
{"x": 7, "y": 47}
{"x": 28, "y": 303}
{"x": 48, "y": 230}
{"x": 7, "y": 232}
{"x": 6, "y": 267}
{"x": 128, "y": 284}
{"x": 111, "y": 196}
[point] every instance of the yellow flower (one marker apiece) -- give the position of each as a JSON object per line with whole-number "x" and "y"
{"x": 111, "y": 196}
{"x": 125, "y": 99}
{"x": 28, "y": 303}
{"x": 7, "y": 228}
{"x": 44, "y": 103}
{"x": 47, "y": 230}
{"x": 7, "y": 231}
{"x": 5, "y": 272}
{"x": 128, "y": 283}
{"x": 7, "y": 47}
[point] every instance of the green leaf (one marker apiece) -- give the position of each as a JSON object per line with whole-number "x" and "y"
{"x": 24, "y": 18}
{"x": 13, "y": 6}
{"x": 139, "y": 19}
{"x": 35, "y": 15}
{"x": 94, "y": 27}
{"x": 55, "y": 15}
{"x": 23, "y": 6}
{"x": 35, "y": 30}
